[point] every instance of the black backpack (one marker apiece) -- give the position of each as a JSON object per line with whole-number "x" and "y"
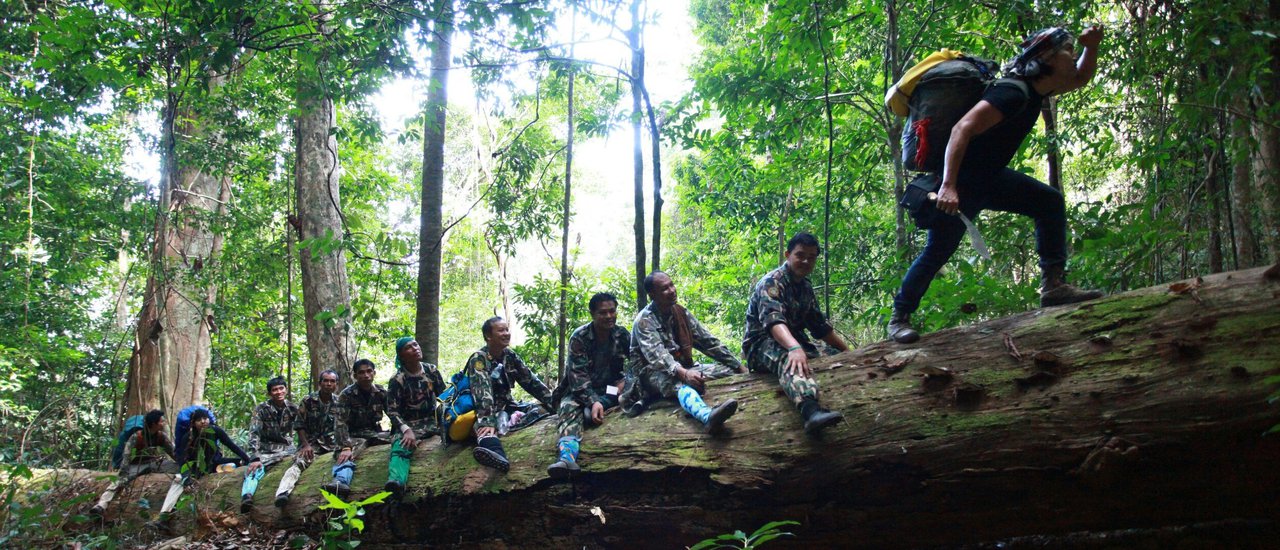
{"x": 943, "y": 95}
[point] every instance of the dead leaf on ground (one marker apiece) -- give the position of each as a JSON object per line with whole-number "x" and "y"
{"x": 597, "y": 512}
{"x": 1013, "y": 350}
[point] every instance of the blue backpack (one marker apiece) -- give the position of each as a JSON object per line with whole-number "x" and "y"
{"x": 457, "y": 399}
{"x": 182, "y": 429}
{"x": 132, "y": 426}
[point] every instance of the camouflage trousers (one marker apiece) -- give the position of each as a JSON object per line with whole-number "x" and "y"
{"x": 653, "y": 384}
{"x": 572, "y": 418}
{"x": 769, "y": 356}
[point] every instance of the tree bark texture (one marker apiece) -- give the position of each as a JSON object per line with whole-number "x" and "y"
{"x": 172, "y": 345}
{"x": 1246, "y": 242}
{"x": 655, "y": 158}
{"x": 637, "y": 155}
{"x": 430, "y": 235}
{"x": 893, "y": 129}
{"x": 326, "y": 292}
{"x": 1049, "y": 112}
{"x": 1137, "y": 411}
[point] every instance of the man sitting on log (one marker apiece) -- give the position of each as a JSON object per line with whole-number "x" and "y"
{"x": 491, "y": 370}
{"x": 357, "y": 425}
{"x": 411, "y": 404}
{"x": 269, "y": 433}
{"x": 146, "y": 451}
{"x": 781, "y": 308}
{"x": 663, "y": 338}
{"x": 592, "y": 381}
{"x": 314, "y": 424}
{"x": 201, "y": 456}
{"x": 976, "y": 176}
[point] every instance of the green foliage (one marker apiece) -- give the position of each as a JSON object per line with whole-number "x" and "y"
{"x": 39, "y": 517}
{"x": 341, "y": 532}
{"x": 738, "y": 539}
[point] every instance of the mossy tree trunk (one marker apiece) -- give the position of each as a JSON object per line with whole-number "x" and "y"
{"x": 1141, "y": 410}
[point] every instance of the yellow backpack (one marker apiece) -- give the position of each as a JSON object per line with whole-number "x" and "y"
{"x": 898, "y": 96}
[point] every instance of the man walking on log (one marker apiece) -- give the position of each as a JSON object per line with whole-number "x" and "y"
{"x": 593, "y": 379}
{"x": 269, "y": 433}
{"x": 411, "y": 404}
{"x": 314, "y": 424}
{"x": 976, "y": 177}
{"x": 663, "y": 338}
{"x": 782, "y": 306}
{"x": 357, "y": 424}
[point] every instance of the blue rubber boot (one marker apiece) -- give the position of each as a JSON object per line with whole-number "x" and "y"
{"x": 568, "y": 463}
{"x": 712, "y": 417}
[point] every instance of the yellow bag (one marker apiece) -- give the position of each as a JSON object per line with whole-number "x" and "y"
{"x": 899, "y": 94}
{"x": 460, "y": 430}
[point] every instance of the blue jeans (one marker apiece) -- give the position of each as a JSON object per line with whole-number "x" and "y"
{"x": 1004, "y": 190}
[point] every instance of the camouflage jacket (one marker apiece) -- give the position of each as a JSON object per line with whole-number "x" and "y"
{"x": 315, "y": 418}
{"x": 144, "y": 447}
{"x": 653, "y": 341}
{"x": 411, "y": 400}
{"x": 780, "y": 298}
{"x": 594, "y": 365}
{"x": 271, "y": 428}
{"x": 358, "y": 414}
{"x": 491, "y": 384}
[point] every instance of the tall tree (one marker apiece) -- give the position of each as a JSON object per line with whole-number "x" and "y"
{"x": 326, "y": 293}
{"x": 171, "y": 352}
{"x": 637, "y": 154}
{"x": 431, "y": 232}
{"x": 561, "y": 322}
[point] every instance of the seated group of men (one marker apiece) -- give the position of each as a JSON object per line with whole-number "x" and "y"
{"x": 607, "y": 367}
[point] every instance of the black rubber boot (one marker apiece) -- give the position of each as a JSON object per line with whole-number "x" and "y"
{"x": 488, "y": 452}
{"x": 720, "y": 414}
{"x": 246, "y": 504}
{"x": 282, "y": 500}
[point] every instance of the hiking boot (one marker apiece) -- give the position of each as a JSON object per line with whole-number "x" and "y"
{"x": 246, "y": 504}
{"x": 820, "y": 420}
{"x": 338, "y": 488}
{"x": 488, "y": 452}
{"x": 395, "y": 488}
{"x": 97, "y": 511}
{"x": 1054, "y": 290}
{"x": 282, "y": 500}
{"x": 721, "y": 413}
{"x": 900, "y": 329}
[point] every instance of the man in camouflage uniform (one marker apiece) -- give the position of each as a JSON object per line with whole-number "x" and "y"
{"x": 357, "y": 422}
{"x": 781, "y": 308}
{"x": 593, "y": 379}
{"x": 147, "y": 451}
{"x": 314, "y": 424}
{"x": 269, "y": 433}
{"x": 491, "y": 370}
{"x": 411, "y": 404}
{"x": 663, "y": 338}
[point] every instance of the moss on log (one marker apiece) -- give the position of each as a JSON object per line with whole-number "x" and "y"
{"x": 1137, "y": 411}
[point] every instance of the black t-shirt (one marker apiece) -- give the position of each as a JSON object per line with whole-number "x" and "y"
{"x": 994, "y": 148}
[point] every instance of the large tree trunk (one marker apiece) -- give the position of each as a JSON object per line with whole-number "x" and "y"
{"x": 1142, "y": 410}
{"x": 172, "y": 346}
{"x": 430, "y": 235}
{"x": 326, "y": 293}
{"x": 637, "y": 155}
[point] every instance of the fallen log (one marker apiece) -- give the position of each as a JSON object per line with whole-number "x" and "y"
{"x": 1144, "y": 410}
